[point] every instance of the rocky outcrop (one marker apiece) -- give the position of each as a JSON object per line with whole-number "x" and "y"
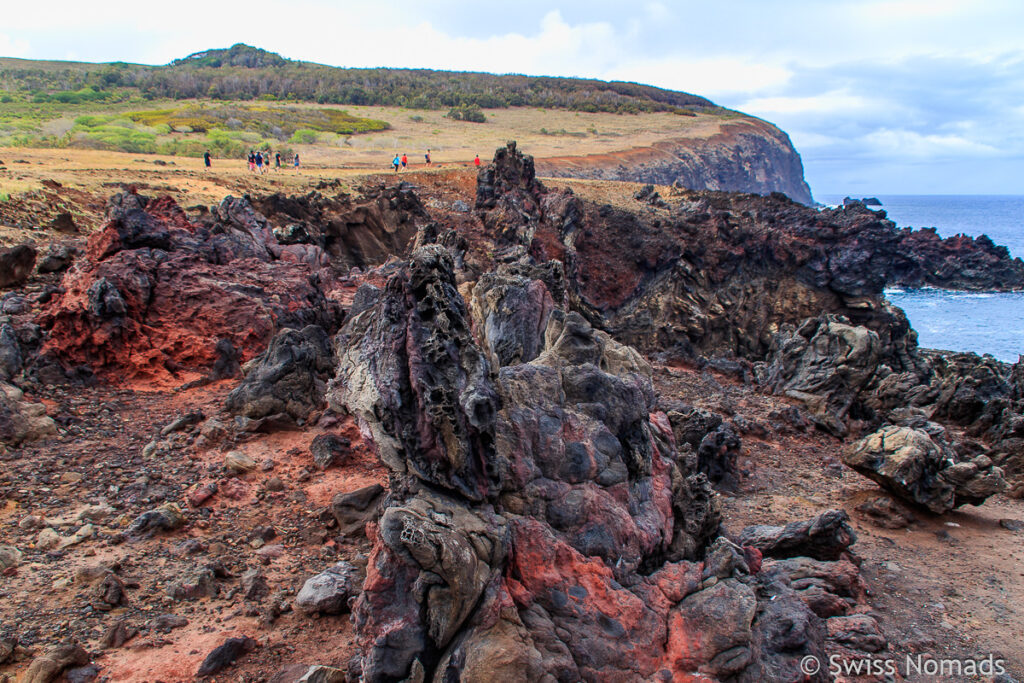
{"x": 911, "y": 465}
{"x": 745, "y": 155}
{"x": 541, "y": 523}
{"x": 157, "y": 293}
{"x": 352, "y": 231}
{"x": 687, "y": 277}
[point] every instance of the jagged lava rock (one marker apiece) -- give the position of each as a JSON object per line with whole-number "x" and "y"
{"x": 157, "y": 292}
{"x": 558, "y": 529}
{"x": 288, "y": 378}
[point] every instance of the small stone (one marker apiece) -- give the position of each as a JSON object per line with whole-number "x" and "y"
{"x": 48, "y": 539}
{"x": 275, "y": 484}
{"x": 30, "y": 522}
{"x": 323, "y": 674}
{"x": 1012, "y": 524}
{"x": 9, "y": 556}
{"x": 237, "y": 462}
{"x": 167, "y": 517}
{"x": 72, "y": 477}
{"x": 328, "y": 450}
{"x": 226, "y": 654}
{"x": 254, "y": 585}
{"x": 202, "y": 493}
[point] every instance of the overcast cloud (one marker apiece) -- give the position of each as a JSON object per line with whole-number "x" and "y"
{"x": 890, "y": 96}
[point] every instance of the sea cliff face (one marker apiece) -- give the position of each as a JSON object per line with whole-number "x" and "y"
{"x": 747, "y": 155}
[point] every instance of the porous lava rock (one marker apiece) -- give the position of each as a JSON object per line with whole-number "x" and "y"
{"x": 157, "y": 293}
{"x": 541, "y": 523}
{"x": 288, "y": 378}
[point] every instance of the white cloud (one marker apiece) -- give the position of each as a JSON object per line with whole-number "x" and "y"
{"x": 710, "y": 77}
{"x": 908, "y": 143}
{"x": 9, "y": 47}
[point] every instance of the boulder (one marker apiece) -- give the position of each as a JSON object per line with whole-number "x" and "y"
{"x": 16, "y": 264}
{"x": 909, "y": 464}
{"x": 329, "y": 591}
{"x": 353, "y": 509}
{"x": 288, "y": 378}
{"x": 58, "y": 258}
{"x": 20, "y": 420}
{"x": 825, "y": 363}
{"x": 824, "y": 537}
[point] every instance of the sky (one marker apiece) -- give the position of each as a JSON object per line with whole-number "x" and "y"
{"x": 878, "y": 96}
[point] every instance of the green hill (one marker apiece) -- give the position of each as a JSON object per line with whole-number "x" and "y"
{"x": 242, "y": 72}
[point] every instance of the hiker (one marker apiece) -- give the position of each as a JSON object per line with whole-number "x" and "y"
{"x": 277, "y": 160}
{"x": 405, "y": 161}
{"x": 427, "y": 157}
{"x": 266, "y": 160}
{"x": 476, "y": 162}
{"x": 296, "y": 161}
{"x": 396, "y": 162}
{"x": 252, "y": 161}
{"x": 206, "y": 158}
{"x": 259, "y": 162}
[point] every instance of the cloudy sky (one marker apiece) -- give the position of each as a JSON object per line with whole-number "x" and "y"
{"x": 883, "y": 96}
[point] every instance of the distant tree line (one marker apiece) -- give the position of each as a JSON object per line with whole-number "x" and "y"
{"x": 246, "y": 73}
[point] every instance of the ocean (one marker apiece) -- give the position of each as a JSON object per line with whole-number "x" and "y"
{"x": 983, "y": 322}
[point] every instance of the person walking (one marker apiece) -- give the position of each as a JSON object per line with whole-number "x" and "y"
{"x": 296, "y": 161}
{"x": 396, "y": 162}
{"x": 277, "y": 160}
{"x": 206, "y": 158}
{"x": 476, "y": 162}
{"x": 405, "y": 161}
{"x": 252, "y": 161}
{"x": 259, "y": 162}
{"x": 427, "y": 157}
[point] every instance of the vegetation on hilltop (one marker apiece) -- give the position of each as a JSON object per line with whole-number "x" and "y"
{"x": 247, "y": 73}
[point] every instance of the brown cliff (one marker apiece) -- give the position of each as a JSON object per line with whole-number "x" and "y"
{"x": 746, "y": 155}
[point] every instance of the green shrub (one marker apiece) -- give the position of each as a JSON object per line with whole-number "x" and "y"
{"x": 303, "y": 136}
{"x": 470, "y": 113}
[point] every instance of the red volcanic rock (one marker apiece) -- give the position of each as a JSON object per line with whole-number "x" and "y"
{"x": 157, "y": 293}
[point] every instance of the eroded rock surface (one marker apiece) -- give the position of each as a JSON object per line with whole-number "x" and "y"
{"x": 910, "y": 464}
{"x": 541, "y": 522}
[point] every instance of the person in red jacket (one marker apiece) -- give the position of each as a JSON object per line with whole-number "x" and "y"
{"x": 405, "y": 161}
{"x": 476, "y": 162}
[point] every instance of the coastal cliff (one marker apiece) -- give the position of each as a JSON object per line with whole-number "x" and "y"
{"x": 746, "y": 155}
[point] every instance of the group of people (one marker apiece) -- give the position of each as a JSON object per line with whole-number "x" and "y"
{"x": 402, "y": 162}
{"x": 259, "y": 162}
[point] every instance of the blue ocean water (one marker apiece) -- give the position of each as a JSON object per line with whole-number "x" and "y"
{"x": 962, "y": 321}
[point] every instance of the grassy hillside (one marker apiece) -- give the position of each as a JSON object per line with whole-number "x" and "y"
{"x": 247, "y": 73}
